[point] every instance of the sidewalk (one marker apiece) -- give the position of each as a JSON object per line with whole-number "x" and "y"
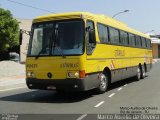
{"x": 12, "y": 75}
{"x": 11, "y": 83}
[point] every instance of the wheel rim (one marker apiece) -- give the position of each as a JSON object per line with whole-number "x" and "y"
{"x": 103, "y": 81}
{"x": 144, "y": 73}
{"x": 138, "y": 73}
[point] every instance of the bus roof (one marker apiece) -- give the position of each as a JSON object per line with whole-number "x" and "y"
{"x": 98, "y": 17}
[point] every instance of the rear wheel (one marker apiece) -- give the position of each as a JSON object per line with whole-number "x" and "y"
{"x": 103, "y": 78}
{"x": 138, "y": 75}
{"x": 143, "y": 72}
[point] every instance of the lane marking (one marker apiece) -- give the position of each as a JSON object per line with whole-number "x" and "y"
{"x": 125, "y": 85}
{"x": 81, "y": 117}
{"x": 99, "y": 104}
{"x": 13, "y": 89}
{"x": 119, "y": 89}
{"x": 111, "y": 95}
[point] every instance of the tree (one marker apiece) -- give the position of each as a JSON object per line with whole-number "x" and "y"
{"x": 9, "y": 30}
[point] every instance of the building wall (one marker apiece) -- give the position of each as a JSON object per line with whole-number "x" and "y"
{"x": 155, "y": 50}
{"x": 158, "y": 51}
{"x": 155, "y": 46}
{"x": 25, "y": 24}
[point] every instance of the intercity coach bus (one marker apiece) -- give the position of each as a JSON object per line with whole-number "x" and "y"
{"x": 79, "y": 51}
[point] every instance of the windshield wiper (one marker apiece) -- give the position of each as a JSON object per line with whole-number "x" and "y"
{"x": 56, "y": 38}
{"x": 39, "y": 54}
{"x": 60, "y": 50}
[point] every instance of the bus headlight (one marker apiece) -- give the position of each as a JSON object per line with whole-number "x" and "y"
{"x": 30, "y": 74}
{"x": 76, "y": 74}
{"x": 73, "y": 74}
{"x": 70, "y": 74}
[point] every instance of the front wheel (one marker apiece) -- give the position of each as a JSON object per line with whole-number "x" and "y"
{"x": 103, "y": 78}
{"x": 59, "y": 91}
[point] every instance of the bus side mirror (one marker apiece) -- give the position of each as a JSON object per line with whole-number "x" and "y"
{"x": 29, "y": 32}
{"x": 20, "y": 37}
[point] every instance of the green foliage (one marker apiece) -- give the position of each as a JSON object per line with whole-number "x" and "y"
{"x": 9, "y": 30}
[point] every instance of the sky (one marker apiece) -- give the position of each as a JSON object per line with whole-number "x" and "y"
{"x": 143, "y": 15}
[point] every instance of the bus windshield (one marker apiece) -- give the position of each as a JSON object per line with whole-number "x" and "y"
{"x": 57, "y": 38}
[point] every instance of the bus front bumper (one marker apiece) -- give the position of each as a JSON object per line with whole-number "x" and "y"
{"x": 71, "y": 84}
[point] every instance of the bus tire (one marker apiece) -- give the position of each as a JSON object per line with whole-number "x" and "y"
{"x": 60, "y": 91}
{"x": 143, "y": 72}
{"x": 103, "y": 78}
{"x": 138, "y": 74}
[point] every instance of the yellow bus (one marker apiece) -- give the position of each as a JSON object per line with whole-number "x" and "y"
{"x": 79, "y": 51}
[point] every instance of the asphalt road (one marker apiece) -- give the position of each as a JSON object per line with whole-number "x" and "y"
{"x": 127, "y": 96}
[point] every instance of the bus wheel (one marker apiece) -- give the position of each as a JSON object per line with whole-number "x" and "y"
{"x": 138, "y": 75}
{"x": 60, "y": 91}
{"x": 143, "y": 72}
{"x": 103, "y": 78}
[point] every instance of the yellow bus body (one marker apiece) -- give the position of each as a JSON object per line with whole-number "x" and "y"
{"x": 117, "y": 59}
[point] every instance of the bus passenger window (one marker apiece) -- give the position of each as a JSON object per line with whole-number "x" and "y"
{"x": 103, "y": 33}
{"x": 91, "y": 40}
{"x": 148, "y": 43}
{"x": 132, "y": 41}
{"x": 138, "y": 41}
{"x": 124, "y": 38}
{"x": 143, "y": 42}
{"x": 114, "y": 35}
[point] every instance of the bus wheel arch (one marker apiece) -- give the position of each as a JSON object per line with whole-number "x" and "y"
{"x": 107, "y": 71}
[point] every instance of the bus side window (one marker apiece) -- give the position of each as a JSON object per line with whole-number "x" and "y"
{"x": 132, "y": 41}
{"x": 103, "y": 33}
{"x": 124, "y": 38}
{"x": 148, "y": 43}
{"x": 138, "y": 41}
{"x": 114, "y": 35}
{"x": 91, "y": 39}
{"x": 143, "y": 42}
